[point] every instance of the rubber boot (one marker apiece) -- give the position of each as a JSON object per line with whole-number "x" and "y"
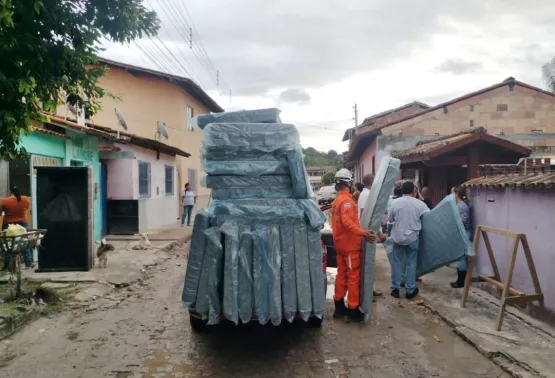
{"x": 340, "y": 309}
{"x": 459, "y": 283}
{"x": 354, "y": 316}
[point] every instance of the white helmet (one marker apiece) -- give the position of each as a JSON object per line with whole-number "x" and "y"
{"x": 343, "y": 176}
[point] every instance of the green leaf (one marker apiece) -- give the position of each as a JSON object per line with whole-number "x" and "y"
{"x": 38, "y": 5}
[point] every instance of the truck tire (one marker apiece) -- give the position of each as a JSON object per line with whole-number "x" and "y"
{"x": 198, "y": 325}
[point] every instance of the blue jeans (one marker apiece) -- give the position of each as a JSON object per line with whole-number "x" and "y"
{"x": 187, "y": 211}
{"x": 399, "y": 253}
{"x": 26, "y": 251}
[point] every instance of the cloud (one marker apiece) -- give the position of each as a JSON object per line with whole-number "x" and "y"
{"x": 293, "y": 95}
{"x": 459, "y": 67}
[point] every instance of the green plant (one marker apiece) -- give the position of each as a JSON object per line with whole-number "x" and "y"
{"x": 49, "y": 50}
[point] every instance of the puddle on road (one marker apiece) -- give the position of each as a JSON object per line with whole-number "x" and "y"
{"x": 160, "y": 362}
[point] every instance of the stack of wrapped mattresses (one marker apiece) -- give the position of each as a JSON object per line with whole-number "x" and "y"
{"x": 255, "y": 252}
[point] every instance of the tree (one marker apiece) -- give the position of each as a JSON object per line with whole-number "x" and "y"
{"x": 327, "y": 179}
{"x": 548, "y": 71}
{"x": 47, "y": 49}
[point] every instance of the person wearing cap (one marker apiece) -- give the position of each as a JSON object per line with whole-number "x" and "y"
{"x": 347, "y": 235}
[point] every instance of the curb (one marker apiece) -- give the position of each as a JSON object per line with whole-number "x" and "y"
{"x": 15, "y": 323}
{"x": 509, "y": 365}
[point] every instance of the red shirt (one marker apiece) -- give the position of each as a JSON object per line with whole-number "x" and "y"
{"x": 15, "y": 212}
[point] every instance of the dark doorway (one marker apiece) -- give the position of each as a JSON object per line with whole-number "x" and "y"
{"x": 63, "y": 203}
{"x": 455, "y": 177}
{"x": 20, "y": 175}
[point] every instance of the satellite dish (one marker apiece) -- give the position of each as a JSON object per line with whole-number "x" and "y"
{"x": 121, "y": 119}
{"x": 161, "y": 131}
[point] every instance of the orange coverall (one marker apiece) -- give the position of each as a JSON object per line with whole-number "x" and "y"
{"x": 347, "y": 236}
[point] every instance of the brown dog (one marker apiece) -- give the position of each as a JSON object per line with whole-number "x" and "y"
{"x": 102, "y": 253}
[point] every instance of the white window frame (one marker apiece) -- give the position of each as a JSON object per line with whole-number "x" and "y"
{"x": 190, "y": 115}
{"x": 142, "y": 195}
{"x": 172, "y": 175}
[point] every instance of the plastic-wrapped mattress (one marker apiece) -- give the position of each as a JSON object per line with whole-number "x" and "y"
{"x": 443, "y": 239}
{"x": 196, "y": 255}
{"x": 270, "y": 115}
{"x": 374, "y": 208}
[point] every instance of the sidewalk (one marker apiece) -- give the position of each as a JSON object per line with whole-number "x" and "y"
{"x": 524, "y": 347}
{"x": 174, "y": 232}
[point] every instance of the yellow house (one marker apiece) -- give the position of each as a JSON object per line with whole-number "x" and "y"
{"x": 146, "y": 97}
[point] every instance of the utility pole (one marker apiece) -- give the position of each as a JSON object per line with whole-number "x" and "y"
{"x": 356, "y": 115}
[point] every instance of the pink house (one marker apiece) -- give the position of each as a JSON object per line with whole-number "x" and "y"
{"x": 142, "y": 191}
{"x": 524, "y": 203}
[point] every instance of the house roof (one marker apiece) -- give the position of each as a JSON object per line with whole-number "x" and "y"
{"x": 516, "y": 180}
{"x": 372, "y": 118}
{"x": 440, "y": 146}
{"x": 151, "y": 144}
{"x": 49, "y": 132}
{"x": 124, "y": 138}
{"x": 189, "y": 85}
{"x": 510, "y": 81}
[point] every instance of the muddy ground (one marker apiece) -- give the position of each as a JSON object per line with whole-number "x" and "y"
{"x": 147, "y": 334}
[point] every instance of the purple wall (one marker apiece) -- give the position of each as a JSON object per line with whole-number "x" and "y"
{"x": 531, "y": 212}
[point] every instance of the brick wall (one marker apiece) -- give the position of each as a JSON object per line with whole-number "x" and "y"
{"x": 522, "y": 115}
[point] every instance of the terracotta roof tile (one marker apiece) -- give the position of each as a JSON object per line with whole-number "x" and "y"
{"x": 49, "y": 132}
{"x": 436, "y": 147}
{"x": 516, "y": 180}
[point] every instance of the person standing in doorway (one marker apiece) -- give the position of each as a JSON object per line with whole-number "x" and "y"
{"x": 189, "y": 200}
{"x": 15, "y": 209}
{"x": 405, "y": 217}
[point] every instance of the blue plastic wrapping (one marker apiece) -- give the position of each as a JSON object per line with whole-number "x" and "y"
{"x": 246, "y": 283}
{"x": 271, "y": 210}
{"x": 261, "y": 272}
{"x": 235, "y": 137}
{"x": 302, "y": 270}
{"x": 194, "y": 262}
{"x": 288, "y": 276}
{"x": 274, "y": 249}
{"x": 301, "y": 186}
{"x": 374, "y": 208}
{"x": 317, "y": 277}
{"x": 443, "y": 239}
{"x": 270, "y": 115}
{"x": 231, "y": 271}
{"x": 246, "y": 167}
{"x": 222, "y": 182}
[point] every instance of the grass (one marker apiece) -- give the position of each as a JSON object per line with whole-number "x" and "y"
{"x": 10, "y": 308}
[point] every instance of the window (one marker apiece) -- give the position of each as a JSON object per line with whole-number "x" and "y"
{"x": 144, "y": 179}
{"x": 169, "y": 180}
{"x": 502, "y": 107}
{"x": 190, "y": 115}
{"x": 471, "y": 108}
{"x": 471, "y": 123}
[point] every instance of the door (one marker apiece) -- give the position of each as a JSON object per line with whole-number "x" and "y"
{"x": 104, "y": 197}
{"x": 64, "y": 208}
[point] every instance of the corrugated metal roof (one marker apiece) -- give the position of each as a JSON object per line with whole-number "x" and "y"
{"x": 517, "y": 180}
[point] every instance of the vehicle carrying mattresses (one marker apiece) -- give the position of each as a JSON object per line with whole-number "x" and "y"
{"x": 256, "y": 251}
{"x": 270, "y": 115}
{"x": 374, "y": 208}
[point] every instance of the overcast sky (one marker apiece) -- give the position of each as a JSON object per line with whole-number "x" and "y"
{"x": 315, "y": 58}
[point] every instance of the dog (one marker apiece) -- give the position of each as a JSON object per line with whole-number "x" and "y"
{"x": 102, "y": 253}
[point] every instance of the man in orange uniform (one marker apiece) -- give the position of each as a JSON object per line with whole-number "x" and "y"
{"x": 347, "y": 236}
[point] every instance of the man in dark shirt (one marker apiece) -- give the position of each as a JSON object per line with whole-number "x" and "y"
{"x": 426, "y": 195}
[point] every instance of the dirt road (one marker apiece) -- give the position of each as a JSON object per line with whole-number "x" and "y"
{"x": 147, "y": 334}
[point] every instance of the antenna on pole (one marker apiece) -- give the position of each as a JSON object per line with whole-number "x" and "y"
{"x": 218, "y": 78}
{"x": 190, "y": 38}
{"x": 356, "y": 115}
